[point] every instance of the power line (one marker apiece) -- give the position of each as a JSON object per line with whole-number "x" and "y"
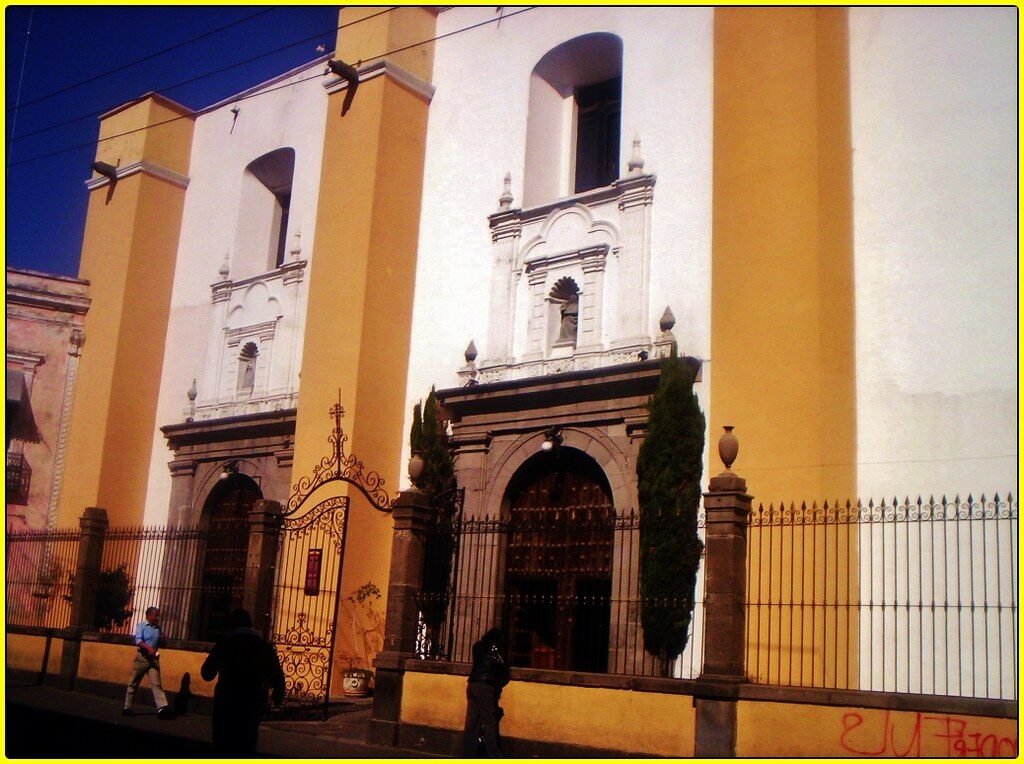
{"x": 21, "y": 78}
{"x": 279, "y": 87}
{"x": 169, "y": 88}
{"x": 144, "y": 59}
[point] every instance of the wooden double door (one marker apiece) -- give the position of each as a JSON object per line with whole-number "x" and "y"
{"x": 559, "y": 564}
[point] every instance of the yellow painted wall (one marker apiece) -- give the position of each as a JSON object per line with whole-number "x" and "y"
{"x": 105, "y": 662}
{"x": 782, "y": 319}
{"x": 791, "y": 730}
{"x": 638, "y": 722}
{"x": 25, "y": 652}
{"x": 128, "y": 254}
{"x": 361, "y": 284}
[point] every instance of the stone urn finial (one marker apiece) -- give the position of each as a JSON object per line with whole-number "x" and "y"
{"x": 728, "y": 448}
{"x": 668, "y": 319}
{"x": 225, "y": 267}
{"x": 505, "y": 200}
{"x": 296, "y": 249}
{"x": 470, "y": 354}
{"x": 636, "y": 161}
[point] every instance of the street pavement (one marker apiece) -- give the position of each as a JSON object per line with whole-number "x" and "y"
{"x": 46, "y": 722}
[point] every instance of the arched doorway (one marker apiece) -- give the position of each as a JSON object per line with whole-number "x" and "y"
{"x": 225, "y": 517}
{"x": 558, "y": 574}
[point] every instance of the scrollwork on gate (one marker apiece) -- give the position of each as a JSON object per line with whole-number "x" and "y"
{"x": 305, "y": 660}
{"x": 339, "y": 466}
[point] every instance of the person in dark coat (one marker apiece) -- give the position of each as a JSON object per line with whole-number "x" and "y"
{"x": 246, "y": 668}
{"x": 490, "y": 673}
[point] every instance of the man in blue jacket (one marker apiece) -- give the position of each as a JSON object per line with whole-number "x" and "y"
{"x": 147, "y": 663}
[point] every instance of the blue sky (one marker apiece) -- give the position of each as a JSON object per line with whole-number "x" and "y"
{"x": 46, "y": 197}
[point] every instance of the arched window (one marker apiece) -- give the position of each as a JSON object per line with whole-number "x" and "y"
{"x": 247, "y": 367}
{"x": 558, "y": 576}
{"x": 573, "y": 126}
{"x": 263, "y": 216}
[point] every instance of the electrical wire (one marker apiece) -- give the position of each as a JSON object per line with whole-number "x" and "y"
{"x": 21, "y": 79}
{"x": 197, "y": 78}
{"x": 271, "y": 90}
{"x": 145, "y": 59}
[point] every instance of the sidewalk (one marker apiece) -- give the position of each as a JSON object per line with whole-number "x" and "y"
{"x": 94, "y": 724}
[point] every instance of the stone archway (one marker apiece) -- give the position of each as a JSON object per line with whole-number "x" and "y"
{"x": 559, "y": 562}
{"x": 222, "y": 566}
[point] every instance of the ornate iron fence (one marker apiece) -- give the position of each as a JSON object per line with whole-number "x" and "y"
{"x": 563, "y": 584}
{"x": 194, "y": 575}
{"x": 40, "y": 572}
{"x": 912, "y": 596}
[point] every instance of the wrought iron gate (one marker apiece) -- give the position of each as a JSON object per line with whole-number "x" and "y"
{"x": 308, "y": 570}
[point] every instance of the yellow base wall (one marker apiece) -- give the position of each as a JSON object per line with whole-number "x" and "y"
{"x": 25, "y": 653}
{"x": 103, "y": 662}
{"x": 786, "y": 729}
{"x": 637, "y": 722}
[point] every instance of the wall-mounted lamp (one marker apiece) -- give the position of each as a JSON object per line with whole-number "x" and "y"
{"x": 552, "y": 439}
{"x": 105, "y": 169}
{"x": 348, "y": 73}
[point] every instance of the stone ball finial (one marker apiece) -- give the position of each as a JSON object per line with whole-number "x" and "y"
{"x": 415, "y": 468}
{"x": 668, "y": 319}
{"x": 505, "y": 200}
{"x": 728, "y": 448}
{"x": 471, "y": 352}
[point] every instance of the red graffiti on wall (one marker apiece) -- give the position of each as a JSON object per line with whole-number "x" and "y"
{"x": 884, "y": 734}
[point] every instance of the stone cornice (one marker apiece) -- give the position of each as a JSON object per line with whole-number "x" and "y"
{"x": 244, "y": 427}
{"x": 63, "y": 303}
{"x": 145, "y": 167}
{"x": 334, "y": 84}
{"x": 592, "y": 257}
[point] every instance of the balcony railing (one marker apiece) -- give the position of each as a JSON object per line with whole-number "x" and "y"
{"x": 19, "y": 478}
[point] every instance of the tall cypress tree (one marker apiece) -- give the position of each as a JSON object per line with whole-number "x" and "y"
{"x": 429, "y": 437}
{"x": 669, "y": 469}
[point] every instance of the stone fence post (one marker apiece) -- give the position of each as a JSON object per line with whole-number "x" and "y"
{"x": 727, "y": 509}
{"x": 93, "y": 524}
{"x": 265, "y": 520}
{"x": 412, "y": 515}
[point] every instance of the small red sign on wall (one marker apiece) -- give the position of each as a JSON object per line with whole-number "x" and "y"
{"x": 313, "y": 572}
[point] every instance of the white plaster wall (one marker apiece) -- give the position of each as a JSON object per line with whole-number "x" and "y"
{"x": 934, "y": 116}
{"x": 292, "y": 116}
{"x": 477, "y": 133}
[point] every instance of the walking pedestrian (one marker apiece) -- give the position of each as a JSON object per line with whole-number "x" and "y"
{"x": 246, "y": 669}
{"x": 147, "y": 663}
{"x": 487, "y": 678}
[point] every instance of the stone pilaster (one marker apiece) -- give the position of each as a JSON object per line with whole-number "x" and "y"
{"x": 412, "y": 515}
{"x": 93, "y": 524}
{"x": 634, "y": 260}
{"x": 506, "y": 228}
{"x": 727, "y": 508}
{"x": 265, "y": 520}
{"x": 537, "y": 324}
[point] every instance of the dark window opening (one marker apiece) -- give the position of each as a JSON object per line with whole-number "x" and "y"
{"x": 284, "y": 202}
{"x": 598, "y": 116}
